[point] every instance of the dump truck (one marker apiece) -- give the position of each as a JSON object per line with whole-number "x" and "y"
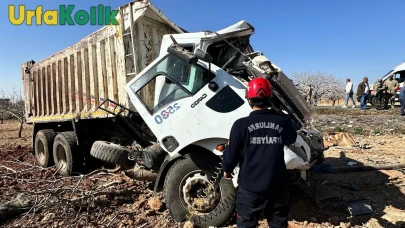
{"x": 160, "y": 102}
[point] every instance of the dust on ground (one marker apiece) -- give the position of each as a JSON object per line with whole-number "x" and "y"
{"x": 385, "y": 190}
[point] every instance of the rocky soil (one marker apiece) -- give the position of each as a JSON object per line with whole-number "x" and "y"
{"x": 107, "y": 198}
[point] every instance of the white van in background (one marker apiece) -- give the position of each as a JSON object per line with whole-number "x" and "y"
{"x": 399, "y": 75}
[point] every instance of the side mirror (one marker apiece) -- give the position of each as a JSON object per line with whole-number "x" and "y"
{"x": 204, "y": 56}
{"x": 182, "y": 54}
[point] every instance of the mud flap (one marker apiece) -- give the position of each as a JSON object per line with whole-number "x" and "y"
{"x": 163, "y": 170}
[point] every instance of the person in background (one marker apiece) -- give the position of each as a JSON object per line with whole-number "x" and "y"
{"x": 349, "y": 93}
{"x": 392, "y": 86}
{"x": 378, "y": 94}
{"x": 402, "y": 100}
{"x": 363, "y": 91}
{"x": 309, "y": 94}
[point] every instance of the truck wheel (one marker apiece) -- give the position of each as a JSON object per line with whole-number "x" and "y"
{"x": 373, "y": 101}
{"x": 188, "y": 181}
{"x": 111, "y": 153}
{"x": 66, "y": 153}
{"x": 43, "y": 147}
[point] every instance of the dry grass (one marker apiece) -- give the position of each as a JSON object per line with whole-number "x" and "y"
{"x": 9, "y": 133}
{"x": 327, "y": 110}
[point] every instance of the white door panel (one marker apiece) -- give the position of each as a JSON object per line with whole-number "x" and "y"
{"x": 188, "y": 119}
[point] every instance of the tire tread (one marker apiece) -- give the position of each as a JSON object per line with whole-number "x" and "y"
{"x": 76, "y": 157}
{"x": 111, "y": 154}
{"x": 49, "y": 135}
{"x": 168, "y": 180}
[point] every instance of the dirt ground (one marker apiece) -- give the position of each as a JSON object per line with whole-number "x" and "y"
{"x": 117, "y": 201}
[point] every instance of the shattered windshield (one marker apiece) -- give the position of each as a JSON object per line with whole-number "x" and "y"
{"x": 225, "y": 56}
{"x": 168, "y": 80}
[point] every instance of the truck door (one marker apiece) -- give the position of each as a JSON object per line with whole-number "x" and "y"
{"x": 160, "y": 90}
{"x": 174, "y": 100}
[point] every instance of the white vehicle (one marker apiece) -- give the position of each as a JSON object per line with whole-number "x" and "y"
{"x": 197, "y": 97}
{"x": 169, "y": 95}
{"x": 398, "y": 74}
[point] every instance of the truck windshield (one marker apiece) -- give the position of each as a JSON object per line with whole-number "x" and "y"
{"x": 169, "y": 80}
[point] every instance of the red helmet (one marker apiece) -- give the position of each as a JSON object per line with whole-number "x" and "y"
{"x": 259, "y": 88}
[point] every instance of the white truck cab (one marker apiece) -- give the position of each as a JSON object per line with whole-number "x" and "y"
{"x": 186, "y": 110}
{"x": 198, "y": 83}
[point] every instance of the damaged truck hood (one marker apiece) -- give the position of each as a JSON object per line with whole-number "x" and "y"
{"x": 286, "y": 93}
{"x": 203, "y": 39}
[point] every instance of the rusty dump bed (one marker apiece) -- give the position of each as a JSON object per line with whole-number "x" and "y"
{"x": 75, "y": 81}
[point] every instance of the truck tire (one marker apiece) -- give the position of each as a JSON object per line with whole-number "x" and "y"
{"x": 188, "y": 177}
{"x": 373, "y": 100}
{"x": 111, "y": 153}
{"x": 66, "y": 153}
{"x": 43, "y": 145}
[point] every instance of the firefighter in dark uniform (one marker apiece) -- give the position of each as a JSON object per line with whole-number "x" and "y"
{"x": 257, "y": 142}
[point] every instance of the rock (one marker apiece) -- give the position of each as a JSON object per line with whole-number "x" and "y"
{"x": 305, "y": 223}
{"x": 155, "y": 203}
{"x": 334, "y": 220}
{"x": 342, "y": 225}
{"x": 188, "y": 224}
{"x": 313, "y": 219}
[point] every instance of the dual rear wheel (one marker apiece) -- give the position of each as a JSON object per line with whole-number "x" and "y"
{"x": 59, "y": 149}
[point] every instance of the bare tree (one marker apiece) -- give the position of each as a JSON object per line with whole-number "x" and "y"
{"x": 337, "y": 92}
{"x": 2, "y": 116}
{"x": 14, "y": 106}
{"x": 324, "y": 85}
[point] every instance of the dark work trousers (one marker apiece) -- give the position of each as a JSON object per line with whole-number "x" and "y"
{"x": 402, "y": 102}
{"x": 249, "y": 205}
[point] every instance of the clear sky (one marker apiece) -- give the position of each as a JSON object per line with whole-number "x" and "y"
{"x": 343, "y": 37}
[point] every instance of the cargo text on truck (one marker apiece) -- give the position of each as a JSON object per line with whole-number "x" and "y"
{"x": 159, "y": 101}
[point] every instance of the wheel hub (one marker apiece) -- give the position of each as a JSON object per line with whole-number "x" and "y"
{"x": 41, "y": 151}
{"x": 200, "y": 193}
{"x": 61, "y": 155}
